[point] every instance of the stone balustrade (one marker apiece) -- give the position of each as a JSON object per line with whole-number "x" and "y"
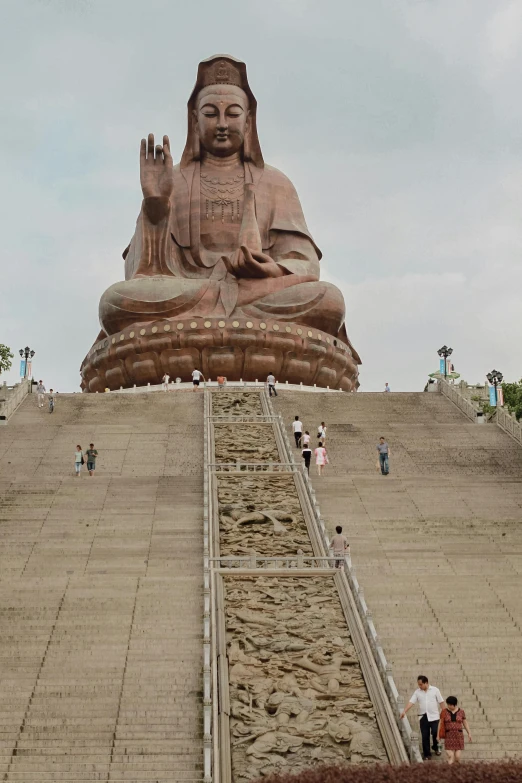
{"x": 508, "y": 422}
{"x": 256, "y": 561}
{"x": 503, "y": 418}
{"x": 458, "y": 399}
{"x": 252, "y": 467}
{"x": 228, "y": 386}
{"x": 11, "y": 397}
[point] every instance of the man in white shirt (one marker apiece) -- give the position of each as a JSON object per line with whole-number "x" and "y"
{"x": 271, "y": 381}
{"x": 40, "y": 389}
{"x": 196, "y": 377}
{"x": 321, "y": 432}
{"x": 297, "y": 427}
{"x": 428, "y": 699}
{"x": 166, "y": 379}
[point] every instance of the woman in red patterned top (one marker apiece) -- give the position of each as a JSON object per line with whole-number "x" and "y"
{"x": 451, "y": 725}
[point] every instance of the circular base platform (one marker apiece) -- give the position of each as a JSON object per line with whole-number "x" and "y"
{"x": 237, "y": 349}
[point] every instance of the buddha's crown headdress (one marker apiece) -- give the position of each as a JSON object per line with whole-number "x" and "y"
{"x": 223, "y": 69}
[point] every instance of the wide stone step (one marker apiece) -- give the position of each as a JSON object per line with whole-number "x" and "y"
{"x": 103, "y": 577}
{"x": 448, "y": 515}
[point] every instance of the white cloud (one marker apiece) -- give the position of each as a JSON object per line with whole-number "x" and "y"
{"x": 504, "y": 33}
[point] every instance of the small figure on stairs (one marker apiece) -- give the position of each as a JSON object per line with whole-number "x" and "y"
{"x": 307, "y": 456}
{"x": 78, "y": 460}
{"x": 321, "y": 458}
{"x": 340, "y": 547}
{"x": 428, "y": 699}
{"x": 197, "y": 375}
{"x": 40, "y": 389}
{"x": 297, "y": 426}
{"x": 91, "y": 453}
{"x": 451, "y": 725}
{"x": 271, "y": 383}
{"x": 384, "y": 453}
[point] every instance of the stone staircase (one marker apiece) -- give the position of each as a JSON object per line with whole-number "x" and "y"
{"x": 101, "y": 598}
{"x": 437, "y": 545}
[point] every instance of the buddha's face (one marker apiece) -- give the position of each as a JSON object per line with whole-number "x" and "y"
{"x": 221, "y": 119}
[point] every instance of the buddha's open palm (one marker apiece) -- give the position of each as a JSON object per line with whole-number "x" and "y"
{"x": 156, "y": 171}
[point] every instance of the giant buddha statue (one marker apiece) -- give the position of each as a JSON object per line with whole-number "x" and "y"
{"x": 222, "y": 273}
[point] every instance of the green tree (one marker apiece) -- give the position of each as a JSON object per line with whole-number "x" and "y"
{"x": 5, "y": 358}
{"x": 513, "y": 397}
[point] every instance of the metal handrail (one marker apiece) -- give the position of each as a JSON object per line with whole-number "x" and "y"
{"x": 209, "y": 668}
{"x": 50, "y": 777}
{"x": 252, "y": 418}
{"x": 261, "y": 561}
{"x": 266, "y": 467}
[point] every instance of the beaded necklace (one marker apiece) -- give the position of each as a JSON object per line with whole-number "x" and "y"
{"x": 222, "y": 193}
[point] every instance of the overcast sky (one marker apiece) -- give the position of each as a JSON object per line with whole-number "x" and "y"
{"x": 399, "y": 122}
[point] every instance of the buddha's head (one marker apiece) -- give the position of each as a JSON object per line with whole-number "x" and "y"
{"x": 222, "y": 113}
{"x": 221, "y": 119}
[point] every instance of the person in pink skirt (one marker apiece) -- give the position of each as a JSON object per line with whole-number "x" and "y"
{"x": 451, "y": 729}
{"x": 321, "y": 458}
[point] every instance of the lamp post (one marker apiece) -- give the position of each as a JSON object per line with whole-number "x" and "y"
{"x": 495, "y": 378}
{"x": 28, "y": 354}
{"x": 445, "y": 352}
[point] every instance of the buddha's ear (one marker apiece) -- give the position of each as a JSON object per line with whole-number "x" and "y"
{"x": 196, "y": 144}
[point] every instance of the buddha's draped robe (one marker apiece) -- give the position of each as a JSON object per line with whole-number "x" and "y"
{"x": 169, "y": 273}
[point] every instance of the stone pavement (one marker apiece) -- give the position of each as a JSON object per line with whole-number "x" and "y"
{"x": 101, "y": 591}
{"x": 437, "y": 546}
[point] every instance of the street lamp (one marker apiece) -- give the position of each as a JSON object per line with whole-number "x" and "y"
{"x": 495, "y": 378}
{"x": 28, "y": 355}
{"x": 445, "y": 352}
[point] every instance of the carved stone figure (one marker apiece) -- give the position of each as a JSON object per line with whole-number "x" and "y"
{"x": 236, "y": 404}
{"x": 247, "y": 523}
{"x": 290, "y": 711}
{"x": 254, "y": 443}
{"x": 222, "y": 272}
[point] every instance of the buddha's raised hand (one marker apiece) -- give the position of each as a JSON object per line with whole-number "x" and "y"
{"x": 156, "y": 171}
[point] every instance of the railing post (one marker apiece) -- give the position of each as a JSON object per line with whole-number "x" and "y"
{"x": 207, "y": 758}
{"x": 414, "y": 744}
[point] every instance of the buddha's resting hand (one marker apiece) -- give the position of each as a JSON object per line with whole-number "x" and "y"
{"x": 156, "y": 171}
{"x": 247, "y": 264}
